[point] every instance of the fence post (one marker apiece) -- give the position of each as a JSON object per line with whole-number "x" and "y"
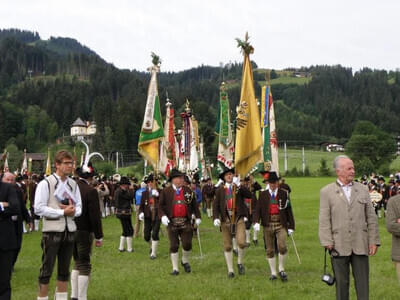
{"x": 285, "y": 158}
{"x": 116, "y": 163}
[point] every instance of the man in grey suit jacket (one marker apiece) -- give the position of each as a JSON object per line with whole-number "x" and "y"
{"x": 348, "y": 224}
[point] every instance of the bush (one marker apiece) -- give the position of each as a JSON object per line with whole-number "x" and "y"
{"x": 364, "y": 166}
{"x": 105, "y": 168}
{"x": 307, "y": 172}
{"x": 323, "y": 168}
{"x": 293, "y": 172}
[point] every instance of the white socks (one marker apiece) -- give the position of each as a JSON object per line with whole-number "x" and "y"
{"x": 83, "y": 283}
{"x": 74, "y": 283}
{"x": 247, "y": 236}
{"x": 129, "y": 244}
{"x": 272, "y": 265}
{"x": 282, "y": 262}
{"x": 174, "y": 260}
{"x": 79, "y": 285}
{"x": 61, "y": 296}
{"x": 229, "y": 260}
{"x": 234, "y": 244}
{"x": 240, "y": 255}
{"x": 121, "y": 243}
{"x": 43, "y": 298}
{"x": 185, "y": 256}
{"x": 154, "y": 246}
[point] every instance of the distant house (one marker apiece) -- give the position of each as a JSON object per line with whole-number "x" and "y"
{"x": 83, "y": 130}
{"x": 334, "y": 148}
{"x": 38, "y": 161}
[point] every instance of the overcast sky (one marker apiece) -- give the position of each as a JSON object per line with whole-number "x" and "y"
{"x": 189, "y": 33}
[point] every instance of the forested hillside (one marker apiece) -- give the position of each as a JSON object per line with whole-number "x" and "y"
{"x": 46, "y": 85}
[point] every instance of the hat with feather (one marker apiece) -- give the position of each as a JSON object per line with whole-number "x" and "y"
{"x": 87, "y": 170}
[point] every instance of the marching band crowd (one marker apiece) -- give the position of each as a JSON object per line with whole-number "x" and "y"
{"x": 71, "y": 209}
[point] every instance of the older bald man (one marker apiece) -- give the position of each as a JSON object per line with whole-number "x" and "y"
{"x": 22, "y": 216}
{"x": 348, "y": 228}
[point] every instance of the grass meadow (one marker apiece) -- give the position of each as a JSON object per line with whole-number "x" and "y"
{"x": 294, "y": 160}
{"x": 134, "y": 276}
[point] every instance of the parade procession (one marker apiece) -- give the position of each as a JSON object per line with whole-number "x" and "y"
{"x": 170, "y": 182}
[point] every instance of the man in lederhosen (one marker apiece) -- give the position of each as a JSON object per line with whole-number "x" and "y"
{"x": 177, "y": 205}
{"x": 230, "y": 214}
{"x": 148, "y": 212}
{"x": 275, "y": 212}
{"x": 88, "y": 228}
{"x": 58, "y": 201}
{"x": 208, "y": 195}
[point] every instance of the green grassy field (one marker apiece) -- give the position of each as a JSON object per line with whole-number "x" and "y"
{"x": 313, "y": 160}
{"x": 294, "y": 160}
{"x": 134, "y": 276}
{"x": 287, "y": 80}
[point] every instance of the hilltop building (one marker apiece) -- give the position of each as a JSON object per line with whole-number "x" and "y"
{"x": 83, "y": 130}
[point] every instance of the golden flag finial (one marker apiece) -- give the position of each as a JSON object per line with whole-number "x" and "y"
{"x": 245, "y": 46}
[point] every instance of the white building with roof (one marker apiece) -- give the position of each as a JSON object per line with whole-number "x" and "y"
{"x": 83, "y": 130}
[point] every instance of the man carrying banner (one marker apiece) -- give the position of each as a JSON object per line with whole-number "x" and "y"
{"x": 177, "y": 205}
{"x": 275, "y": 212}
{"x": 230, "y": 214}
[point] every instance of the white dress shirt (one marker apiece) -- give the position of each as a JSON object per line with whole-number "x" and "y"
{"x": 346, "y": 189}
{"x": 42, "y": 198}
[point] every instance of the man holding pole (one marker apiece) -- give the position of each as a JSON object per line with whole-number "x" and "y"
{"x": 275, "y": 212}
{"x": 230, "y": 214}
{"x": 177, "y": 205}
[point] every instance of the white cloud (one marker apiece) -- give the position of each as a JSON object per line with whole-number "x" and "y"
{"x": 189, "y": 33}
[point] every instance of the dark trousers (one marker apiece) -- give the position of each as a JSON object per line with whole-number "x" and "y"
{"x": 82, "y": 250}
{"x": 19, "y": 231}
{"x": 184, "y": 232}
{"x": 360, "y": 269}
{"x": 151, "y": 228}
{"x": 6, "y": 262}
{"x": 127, "y": 229}
{"x": 56, "y": 245}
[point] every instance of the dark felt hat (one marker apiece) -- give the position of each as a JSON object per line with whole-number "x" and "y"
{"x": 273, "y": 177}
{"x": 124, "y": 180}
{"x": 91, "y": 172}
{"x": 226, "y": 170}
{"x": 175, "y": 173}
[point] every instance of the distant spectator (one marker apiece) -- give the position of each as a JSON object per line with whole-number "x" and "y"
{"x": 23, "y": 214}
{"x": 9, "y": 207}
{"x": 393, "y": 226}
